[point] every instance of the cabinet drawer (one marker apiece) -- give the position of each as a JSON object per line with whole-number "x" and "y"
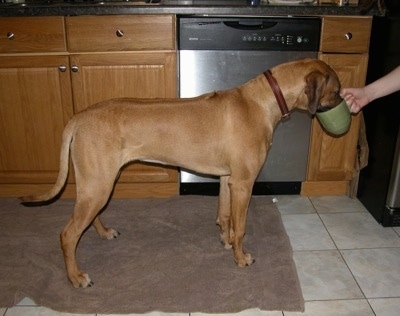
{"x": 120, "y": 33}
{"x": 32, "y": 34}
{"x": 346, "y": 34}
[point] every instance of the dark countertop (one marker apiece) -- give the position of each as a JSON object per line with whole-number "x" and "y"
{"x": 126, "y": 8}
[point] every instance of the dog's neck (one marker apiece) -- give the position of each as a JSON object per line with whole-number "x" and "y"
{"x": 278, "y": 94}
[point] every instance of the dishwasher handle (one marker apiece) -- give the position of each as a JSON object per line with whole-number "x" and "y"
{"x": 250, "y": 25}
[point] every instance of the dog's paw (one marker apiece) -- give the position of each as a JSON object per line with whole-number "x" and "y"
{"x": 82, "y": 281}
{"x": 109, "y": 234}
{"x": 224, "y": 239}
{"x": 245, "y": 260}
{"x": 226, "y": 245}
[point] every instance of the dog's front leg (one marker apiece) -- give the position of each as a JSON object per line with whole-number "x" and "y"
{"x": 240, "y": 199}
{"x": 224, "y": 211}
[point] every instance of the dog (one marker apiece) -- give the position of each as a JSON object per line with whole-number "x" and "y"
{"x": 225, "y": 133}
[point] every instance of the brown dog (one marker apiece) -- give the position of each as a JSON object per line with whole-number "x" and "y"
{"x": 226, "y": 133}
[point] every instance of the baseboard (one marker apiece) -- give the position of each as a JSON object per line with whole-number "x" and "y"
{"x": 121, "y": 190}
{"x": 319, "y": 188}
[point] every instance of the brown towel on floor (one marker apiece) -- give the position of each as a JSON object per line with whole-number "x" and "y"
{"x": 168, "y": 258}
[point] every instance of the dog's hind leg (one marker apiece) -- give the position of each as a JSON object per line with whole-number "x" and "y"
{"x": 240, "y": 199}
{"x": 224, "y": 212}
{"x": 104, "y": 232}
{"x": 91, "y": 198}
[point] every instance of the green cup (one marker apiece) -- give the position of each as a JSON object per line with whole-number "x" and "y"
{"x": 335, "y": 121}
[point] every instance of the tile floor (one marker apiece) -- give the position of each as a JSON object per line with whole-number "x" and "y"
{"x": 347, "y": 263}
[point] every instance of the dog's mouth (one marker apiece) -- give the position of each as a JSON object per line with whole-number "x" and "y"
{"x": 324, "y": 108}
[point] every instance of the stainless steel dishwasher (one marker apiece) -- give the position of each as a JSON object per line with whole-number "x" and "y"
{"x": 217, "y": 53}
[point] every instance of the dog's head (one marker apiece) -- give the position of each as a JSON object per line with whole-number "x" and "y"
{"x": 322, "y": 87}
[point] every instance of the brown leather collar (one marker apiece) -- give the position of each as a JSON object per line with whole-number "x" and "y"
{"x": 278, "y": 94}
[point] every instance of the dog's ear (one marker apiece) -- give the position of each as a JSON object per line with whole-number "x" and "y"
{"x": 315, "y": 86}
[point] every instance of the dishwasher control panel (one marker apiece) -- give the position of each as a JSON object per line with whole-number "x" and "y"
{"x": 249, "y": 33}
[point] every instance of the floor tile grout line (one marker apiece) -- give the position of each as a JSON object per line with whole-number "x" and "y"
{"x": 338, "y": 250}
{"x": 326, "y": 228}
{"x": 396, "y": 232}
{"x": 341, "y": 254}
{"x": 369, "y": 248}
{"x": 315, "y": 209}
{"x": 370, "y": 306}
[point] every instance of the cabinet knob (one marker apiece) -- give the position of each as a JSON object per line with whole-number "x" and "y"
{"x": 75, "y": 68}
{"x": 119, "y": 33}
{"x": 348, "y": 36}
{"x": 10, "y": 35}
{"x": 62, "y": 68}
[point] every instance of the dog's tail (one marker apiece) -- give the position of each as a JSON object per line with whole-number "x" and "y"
{"x": 63, "y": 172}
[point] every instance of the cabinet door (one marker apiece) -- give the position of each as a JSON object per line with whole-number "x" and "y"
{"x": 35, "y": 104}
{"x": 99, "y": 77}
{"x": 333, "y": 158}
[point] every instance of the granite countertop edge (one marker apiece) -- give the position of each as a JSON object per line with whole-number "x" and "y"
{"x": 263, "y": 10}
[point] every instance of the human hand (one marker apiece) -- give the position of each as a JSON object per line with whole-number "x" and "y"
{"x": 355, "y": 98}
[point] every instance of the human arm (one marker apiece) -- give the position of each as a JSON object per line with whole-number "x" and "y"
{"x": 357, "y": 98}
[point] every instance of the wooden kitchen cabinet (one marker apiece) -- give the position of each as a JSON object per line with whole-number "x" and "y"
{"x": 35, "y": 102}
{"x": 54, "y": 67}
{"x": 126, "y": 56}
{"x": 332, "y": 160}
